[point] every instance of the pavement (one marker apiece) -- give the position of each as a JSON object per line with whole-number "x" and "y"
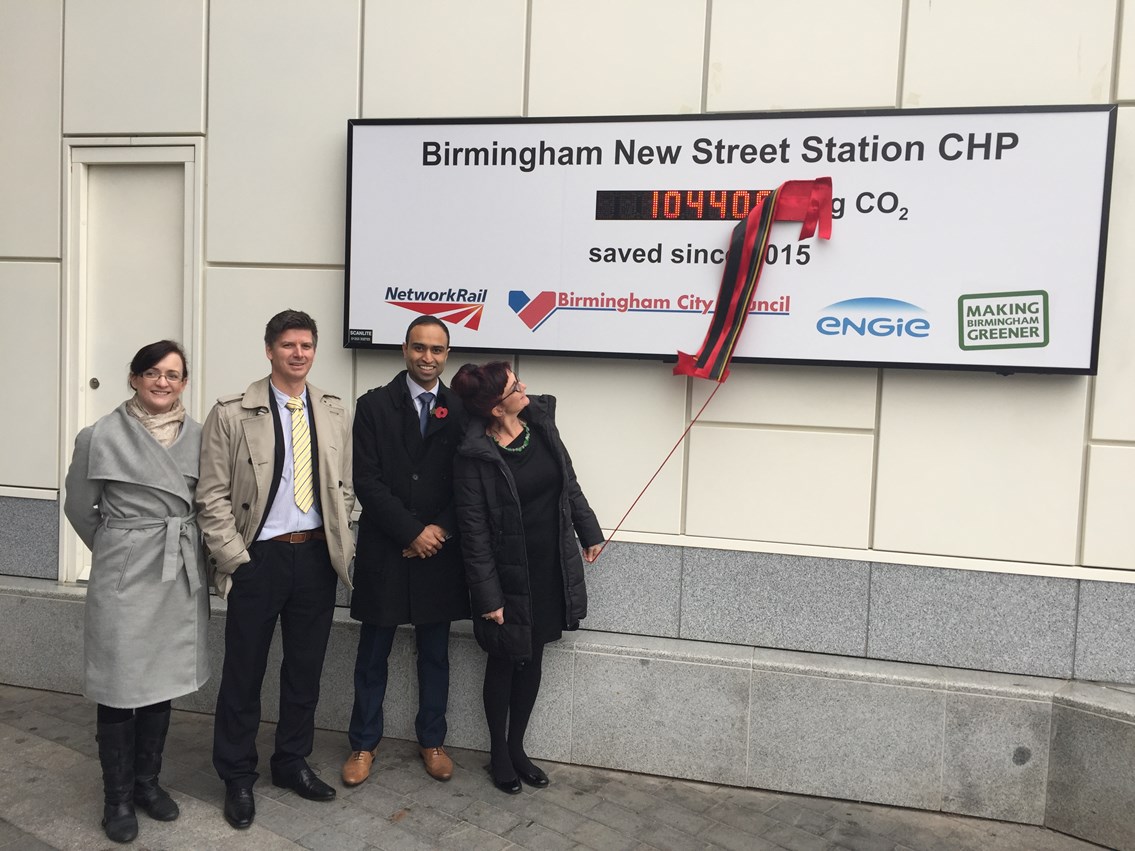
{"x": 51, "y": 798}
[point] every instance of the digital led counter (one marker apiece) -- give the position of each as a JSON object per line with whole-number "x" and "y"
{"x": 676, "y": 204}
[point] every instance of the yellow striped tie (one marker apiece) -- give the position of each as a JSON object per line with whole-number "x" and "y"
{"x": 301, "y": 454}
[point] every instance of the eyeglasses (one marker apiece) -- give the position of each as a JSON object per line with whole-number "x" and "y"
{"x": 173, "y": 377}
{"x": 515, "y": 389}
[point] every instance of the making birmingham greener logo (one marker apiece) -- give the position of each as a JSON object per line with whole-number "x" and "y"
{"x": 1003, "y": 320}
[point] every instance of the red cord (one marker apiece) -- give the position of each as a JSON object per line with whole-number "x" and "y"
{"x": 656, "y": 472}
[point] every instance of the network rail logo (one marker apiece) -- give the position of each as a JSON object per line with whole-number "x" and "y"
{"x": 872, "y": 316}
{"x": 457, "y": 306}
{"x": 534, "y": 311}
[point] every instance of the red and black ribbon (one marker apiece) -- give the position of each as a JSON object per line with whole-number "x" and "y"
{"x": 807, "y": 201}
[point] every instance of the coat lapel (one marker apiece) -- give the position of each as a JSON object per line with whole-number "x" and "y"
{"x": 437, "y": 423}
{"x": 326, "y": 432}
{"x": 124, "y": 451}
{"x": 408, "y": 418}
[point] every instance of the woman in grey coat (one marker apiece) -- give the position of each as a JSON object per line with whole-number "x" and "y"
{"x": 130, "y": 492}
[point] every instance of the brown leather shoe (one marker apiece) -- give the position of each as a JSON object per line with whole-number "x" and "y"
{"x": 438, "y": 764}
{"x": 357, "y": 767}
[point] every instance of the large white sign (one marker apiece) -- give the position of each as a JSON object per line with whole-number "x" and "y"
{"x": 962, "y": 239}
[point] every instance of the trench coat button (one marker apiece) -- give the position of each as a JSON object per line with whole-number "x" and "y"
{"x": 414, "y": 476}
{"x": 244, "y": 505}
{"x": 249, "y": 460}
{"x": 212, "y": 561}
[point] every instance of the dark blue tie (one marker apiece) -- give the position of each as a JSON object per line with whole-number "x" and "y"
{"x": 424, "y": 414}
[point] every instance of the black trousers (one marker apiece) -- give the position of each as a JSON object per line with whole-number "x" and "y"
{"x": 294, "y": 583}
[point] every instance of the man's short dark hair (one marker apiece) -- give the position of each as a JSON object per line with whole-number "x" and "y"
{"x": 427, "y": 320}
{"x": 289, "y": 320}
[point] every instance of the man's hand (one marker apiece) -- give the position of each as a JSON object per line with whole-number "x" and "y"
{"x": 427, "y": 543}
{"x": 592, "y": 553}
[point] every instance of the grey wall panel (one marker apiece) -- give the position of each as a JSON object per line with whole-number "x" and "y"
{"x": 29, "y": 537}
{"x": 635, "y": 588}
{"x": 1105, "y": 632}
{"x": 43, "y": 642}
{"x": 1090, "y": 781}
{"x": 995, "y": 757}
{"x": 842, "y": 739}
{"x": 657, "y": 716}
{"x": 973, "y": 619}
{"x": 768, "y": 600}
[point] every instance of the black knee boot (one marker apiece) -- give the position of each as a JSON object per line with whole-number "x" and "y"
{"x": 116, "y": 754}
{"x": 149, "y": 742}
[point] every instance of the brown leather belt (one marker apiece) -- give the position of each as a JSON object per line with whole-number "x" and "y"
{"x": 301, "y": 537}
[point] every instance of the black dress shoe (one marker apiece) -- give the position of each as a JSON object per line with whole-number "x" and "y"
{"x": 509, "y": 787}
{"x": 305, "y": 784}
{"x": 536, "y": 777}
{"x": 240, "y": 807}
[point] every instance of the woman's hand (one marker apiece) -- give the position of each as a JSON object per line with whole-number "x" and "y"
{"x": 497, "y": 616}
{"x": 591, "y": 553}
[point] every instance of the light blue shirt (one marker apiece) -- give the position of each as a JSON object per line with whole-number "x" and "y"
{"x": 284, "y": 515}
{"x": 417, "y": 390}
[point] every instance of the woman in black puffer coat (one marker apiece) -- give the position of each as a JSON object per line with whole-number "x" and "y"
{"x": 520, "y": 509}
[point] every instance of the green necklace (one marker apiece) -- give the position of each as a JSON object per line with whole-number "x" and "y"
{"x": 521, "y": 447}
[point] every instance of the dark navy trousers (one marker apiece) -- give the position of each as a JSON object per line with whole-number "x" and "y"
{"x": 432, "y": 641}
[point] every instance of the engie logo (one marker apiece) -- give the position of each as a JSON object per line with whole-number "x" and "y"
{"x": 455, "y": 306}
{"x": 873, "y": 317}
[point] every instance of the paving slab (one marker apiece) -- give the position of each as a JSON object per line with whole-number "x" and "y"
{"x": 50, "y": 798}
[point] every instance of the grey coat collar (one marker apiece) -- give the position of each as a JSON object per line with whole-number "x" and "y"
{"x": 123, "y": 451}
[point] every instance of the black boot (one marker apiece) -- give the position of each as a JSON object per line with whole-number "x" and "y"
{"x": 116, "y": 754}
{"x": 149, "y": 742}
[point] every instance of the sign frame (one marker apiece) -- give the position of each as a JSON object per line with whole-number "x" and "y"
{"x": 389, "y": 338}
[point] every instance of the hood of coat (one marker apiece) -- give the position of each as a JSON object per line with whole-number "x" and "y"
{"x": 477, "y": 444}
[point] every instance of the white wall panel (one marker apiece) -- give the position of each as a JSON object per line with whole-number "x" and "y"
{"x": 375, "y": 369}
{"x": 596, "y": 57}
{"x": 1109, "y": 533}
{"x": 239, "y": 303}
{"x": 29, "y": 302}
{"x": 283, "y": 80}
{"x": 1113, "y": 415}
{"x": 798, "y": 487}
{"x": 134, "y": 66}
{"x": 1125, "y": 84}
{"x": 791, "y": 396}
{"x": 618, "y": 419}
{"x": 974, "y": 52}
{"x": 31, "y": 47}
{"x": 981, "y": 465}
{"x": 769, "y": 54}
{"x": 443, "y": 58}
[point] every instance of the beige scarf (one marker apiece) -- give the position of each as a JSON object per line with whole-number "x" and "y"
{"x": 164, "y": 428}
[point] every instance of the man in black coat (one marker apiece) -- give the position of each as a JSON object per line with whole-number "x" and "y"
{"x": 408, "y": 567}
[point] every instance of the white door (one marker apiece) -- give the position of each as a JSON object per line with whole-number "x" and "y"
{"x": 132, "y": 281}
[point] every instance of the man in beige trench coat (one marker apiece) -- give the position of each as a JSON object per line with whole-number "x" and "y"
{"x": 274, "y": 501}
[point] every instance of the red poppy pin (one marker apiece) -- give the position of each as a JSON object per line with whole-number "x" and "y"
{"x": 441, "y": 413}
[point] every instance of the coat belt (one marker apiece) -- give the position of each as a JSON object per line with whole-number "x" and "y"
{"x": 181, "y": 539}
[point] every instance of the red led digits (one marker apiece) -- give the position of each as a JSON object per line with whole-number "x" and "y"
{"x": 676, "y": 204}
